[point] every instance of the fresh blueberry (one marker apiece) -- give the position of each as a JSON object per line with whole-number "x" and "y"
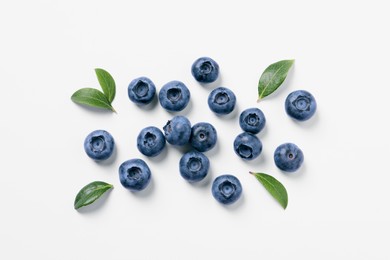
{"x": 194, "y": 166}
{"x": 178, "y": 130}
{"x": 300, "y": 105}
{"x": 252, "y": 120}
{"x": 150, "y": 141}
{"x": 222, "y": 101}
{"x": 226, "y": 189}
{"x": 205, "y": 70}
{"x": 134, "y": 174}
{"x": 99, "y": 145}
{"x": 288, "y": 157}
{"x": 141, "y": 91}
{"x": 247, "y": 146}
{"x": 203, "y": 137}
{"x": 174, "y": 96}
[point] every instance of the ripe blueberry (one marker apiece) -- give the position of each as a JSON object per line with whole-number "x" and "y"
{"x": 205, "y": 70}
{"x": 194, "y": 166}
{"x": 178, "y": 130}
{"x": 141, "y": 90}
{"x": 226, "y": 189}
{"x": 134, "y": 174}
{"x": 222, "y": 101}
{"x": 203, "y": 136}
{"x": 247, "y": 146}
{"x": 174, "y": 96}
{"x": 300, "y": 105}
{"x": 99, "y": 145}
{"x": 150, "y": 141}
{"x": 288, "y": 157}
{"x": 252, "y": 120}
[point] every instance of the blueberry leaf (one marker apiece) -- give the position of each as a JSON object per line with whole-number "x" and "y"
{"x": 107, "y": 83}
{"x": 274, "y": 187}
{"x": 90, "y": 193}
{"x": 92, "y": 97}
{"x": 272, "y": 77}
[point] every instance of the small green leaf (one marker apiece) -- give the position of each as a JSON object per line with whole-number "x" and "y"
{"x": 92, "y": 97}
{"x": 274, "y": 187}
{"x": 90, "y": 193}
{"x": 107, "y": 83}
{"x": 273, "y": 77}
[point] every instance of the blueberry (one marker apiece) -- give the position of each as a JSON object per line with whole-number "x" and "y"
{"x": 247, "y": 146}
{"x": 150, "y": 141}
{"x": 99, "y": 145}
{"x": 226, "y": 189}
{"x": 174, "y": 96}
{"x": 252, "y": 120}
{"x": 300, "y": 105}
{"x": 205, "y": 70}
{"x": 203, "y": 136}
{"x": 134, "y": 174}
{"x": 141, "y": 91}
{"x": 288, "y": 157}
{"x": 222, "y": 101}
{"x": 178, "y": 130}
{"x": 194, "y": 166}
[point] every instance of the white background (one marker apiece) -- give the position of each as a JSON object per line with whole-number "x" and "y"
{"x": 338, "y": 202}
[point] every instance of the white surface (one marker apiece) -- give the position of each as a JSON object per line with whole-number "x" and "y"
{"x": 338, "y": 206}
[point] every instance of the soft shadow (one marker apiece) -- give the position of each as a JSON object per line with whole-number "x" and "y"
{"x": 238, "y": 204}
{"x": 297, "y": 174}
{"x": 185, "y": 111}
{"x": 257, "y": 161}
{"x": 96, "y": 205}
{"x": 214, "y": 150}
{"x": 96, "y": 110}
{"x": 146, "y": 192}
{"x": 263, "y": 133}
{"x": 214, "y": 84}
{"x": 231, "y": 116}
{"x": 205, "y": 183}
{"x": 149, "y": 106}
{"x": 161, "y": 156}
{"x": 183, "y": 148}
{"x": 111, "y": 160}
{"x": 310, "y": 123}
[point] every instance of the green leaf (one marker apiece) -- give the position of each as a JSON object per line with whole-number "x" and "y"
{"x": 92, "y": 97}
{"x": 90, "y": 193}
{"x": 274, "y": 187}
{"x": 273, "y": 77}
{"x": 107, "y": 83}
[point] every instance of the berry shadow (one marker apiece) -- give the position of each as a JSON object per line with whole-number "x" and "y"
{"x": 145, "y": 193}
{"x": 110, "y": 161}
{"x": 183, "y": 148}
{"x": 300, "y": 173}
{"x": 96, "y": 205}
{"x": 310, "y": 123}
{"x": 263, "y": 133}
{"x": 238, "y": 204}
{"x": 205, "y": 183}
{"x": 149, "y": 106}
{"x": 212, "y": 85}
{"x": 161, "y": 157}
{"x": 231, "y": 116}
{"x": 214, "y": 150}
{"x": 257, "y": 161}
{"x": 185, "y": 112}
